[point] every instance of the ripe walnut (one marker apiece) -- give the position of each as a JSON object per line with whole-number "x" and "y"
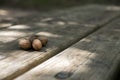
{"x": 36, "y": 44}
{"x": 31, "y": 38}
{"x": 24, "y": 43}
{"x": 44, "y": 40}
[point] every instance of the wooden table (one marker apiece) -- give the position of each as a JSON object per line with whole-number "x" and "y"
{"x": 84, "y": 44}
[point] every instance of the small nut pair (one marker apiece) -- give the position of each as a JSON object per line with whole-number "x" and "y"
{"x": 36, "y": 42}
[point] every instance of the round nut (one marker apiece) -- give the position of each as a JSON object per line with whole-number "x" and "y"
{"x": 24, "y": 43}
{"x": 44, "y": 40}
{"x": 36, "y": 44}
{"x": 31, "y": 38}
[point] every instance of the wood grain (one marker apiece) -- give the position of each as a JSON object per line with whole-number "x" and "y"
{"x": 95, "y": 57}
{"x": 62, "y": 27}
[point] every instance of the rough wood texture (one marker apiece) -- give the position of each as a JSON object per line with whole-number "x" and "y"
{"x": 95, "y": 57}
{"x": 62, "y": 27}
{"x": 9, "y": 17}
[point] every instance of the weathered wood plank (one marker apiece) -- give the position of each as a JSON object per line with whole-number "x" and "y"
{"x": 95, "y": 57}
{"x": 63, "y": 28}
{"x": 9, "y": 17}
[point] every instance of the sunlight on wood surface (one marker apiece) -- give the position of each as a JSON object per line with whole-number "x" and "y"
{"x": 3, "y": 12}
{"x": 113, "y": 8}
{"x": 11, "y": 33}
{"x": 19, "y": 27}
{"x": 60, "y": 63}
{"x": 47, "y": 34}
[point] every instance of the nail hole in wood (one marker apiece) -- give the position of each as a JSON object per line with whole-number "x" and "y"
{"x": 63, "y": 75}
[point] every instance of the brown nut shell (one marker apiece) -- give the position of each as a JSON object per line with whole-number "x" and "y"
{"x": 31, "y": 38}
{"x": 24, "y": 43}
{"x": 36, "y": 44}
{"x": 44, "y": 40}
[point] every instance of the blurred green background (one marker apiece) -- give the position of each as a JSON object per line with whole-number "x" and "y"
{"x": 46, "y": 4}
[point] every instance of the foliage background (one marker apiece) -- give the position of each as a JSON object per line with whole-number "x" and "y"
{"x": 44, "y": 4}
